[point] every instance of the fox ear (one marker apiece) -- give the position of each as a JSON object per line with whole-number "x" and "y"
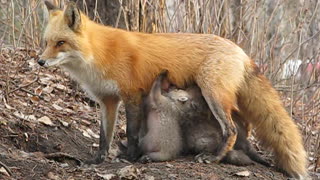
{"x": 72, "y": 16}
{"x": 50, "y": 6}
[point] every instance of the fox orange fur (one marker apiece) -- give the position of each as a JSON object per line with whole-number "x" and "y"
{"x": 113, "y": 64}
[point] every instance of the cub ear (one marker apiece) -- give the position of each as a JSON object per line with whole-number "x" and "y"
{"x": 50, "y": 6}
{"x": 183, "y": 99}
{"x": 72, "y": 16}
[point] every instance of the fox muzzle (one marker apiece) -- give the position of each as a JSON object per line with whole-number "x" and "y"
{"x": 41, "y": 62}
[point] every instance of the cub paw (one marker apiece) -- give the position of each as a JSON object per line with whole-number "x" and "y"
{"x": 206, "y": 158}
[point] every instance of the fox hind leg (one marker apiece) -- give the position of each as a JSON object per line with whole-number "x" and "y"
{"x": 221, "y": 106}
{"x": 229, "y": 131}
{"x": 219, "y": 88}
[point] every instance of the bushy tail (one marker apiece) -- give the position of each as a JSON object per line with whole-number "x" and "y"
{"x": 261, "y": 106}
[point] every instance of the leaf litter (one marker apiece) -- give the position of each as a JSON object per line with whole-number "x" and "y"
{"x": 48, "y": 126}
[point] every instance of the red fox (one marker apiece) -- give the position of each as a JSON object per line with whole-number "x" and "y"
{"x": 113, "y": 64}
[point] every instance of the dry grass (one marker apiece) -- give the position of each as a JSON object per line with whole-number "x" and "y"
{"x": 272, "y": 32}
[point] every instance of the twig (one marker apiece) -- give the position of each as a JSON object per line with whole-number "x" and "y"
{"x": 20, "y": 87}
{"x": 29, "y": 92}
{"x": 58, "y": 155}
{"x": 6, "y": 167}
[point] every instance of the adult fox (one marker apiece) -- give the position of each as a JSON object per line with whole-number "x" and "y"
{"x": 113, "y": 64}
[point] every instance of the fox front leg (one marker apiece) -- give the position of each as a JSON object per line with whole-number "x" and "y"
{"x": 109, "y": 112}
{"x": 134, "y": 115}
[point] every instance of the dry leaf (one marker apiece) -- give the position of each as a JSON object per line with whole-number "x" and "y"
{"x": 85, "y": 122}
{"x": 3, "y": 122}
{"x": 32, "y": 53}
{"x": 61, "y": 87}
{"x": 169, "y": 165}
{"x": 69, "y": 110}
{"x": 45, "y": 80}
{"x": 147, "y": 177}
{"x": 107, "y": 176}
{"x": 129, "y": 172}
{"x": 95, "y": 145}
{"x": 92, "y": 134}
{"x": 4, "y": 171}
{"x": 20, "y": 115}
{"x": 26, "y": 81}
{"x": 24, "y": 117}
{"x": 47, "y": 89}
{"x": 35, "y": 99}
{"x": 57, "y": 107}
{"x": 65, "y": 124}
{"x": 46, "y": 120}
{"x": 243, "y": 173}
{"x": 52, "y": 176}
{"x": 85, "y": 133}
{"x": 38, "y": 91}
{"x": 8, "y": 106}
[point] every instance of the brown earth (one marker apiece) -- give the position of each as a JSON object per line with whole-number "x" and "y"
{"x": 48, "y": 127}
{"x": 40, "y": 152}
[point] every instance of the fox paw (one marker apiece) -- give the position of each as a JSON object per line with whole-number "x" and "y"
{"x": 206, "y": 158}
{"x": 133, "y": 153}
{"x": 98, "y": 159}
{"x": 145, "y": 159}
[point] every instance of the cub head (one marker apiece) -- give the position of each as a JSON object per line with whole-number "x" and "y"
{"x": 189, "y": 100}
{"x": 178, "y": 96}
{"x": 63, "y": 36}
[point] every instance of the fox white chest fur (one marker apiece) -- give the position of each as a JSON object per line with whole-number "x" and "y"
{"x": 90, "y": 79}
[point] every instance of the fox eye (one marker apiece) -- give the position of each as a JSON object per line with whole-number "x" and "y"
{"x": 60, "y": 43}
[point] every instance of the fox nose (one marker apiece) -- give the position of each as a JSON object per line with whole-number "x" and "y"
{"x": 41, "y": 62}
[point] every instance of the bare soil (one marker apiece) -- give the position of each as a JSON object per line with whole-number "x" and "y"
{"x": 42, "y": 152}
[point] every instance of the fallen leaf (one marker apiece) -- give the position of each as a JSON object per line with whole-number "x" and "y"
{"x": 85, "y": 133}
{"x": 85, "y": 122}
{"x": 92, "y": 134}
{"x": 107, "y": 176}
{"x": 243, "y": 173}
{"x": 4, "y": 171}
{"x": 69, "y": 110}
{"x": 95, "y": 145}
{"x": 8, "y": 106}
{"x": 26, "y": 135}
{"x": 148, "y": 177}
{"x": 24, "y": 117}
{"x": 65, "y": 124}
{"x": 129, "y": 172}
{"x": 169, "y": 165}
{"x": 38, "y": 91}
{"x": 45, "y": 80}
{"x": 31, "y": 118}
{"x": 46, "y": 120}
{"x": 3, "y": 122}
{"x": 57, "y": 107}
{"x": 61, "y": 87}
{"x": 172, "y": 176}
{"x": 32, "y": 53}
{"x": 52, "y": 176}
{"x": 48, "y": 89}
{"x": 35, "y": 99}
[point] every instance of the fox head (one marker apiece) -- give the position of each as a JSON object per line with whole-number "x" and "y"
{"x": 63, "y": 36}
